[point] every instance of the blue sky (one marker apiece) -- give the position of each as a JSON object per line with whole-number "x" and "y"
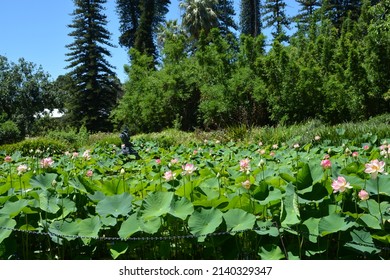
{"x": 37, "y": 31}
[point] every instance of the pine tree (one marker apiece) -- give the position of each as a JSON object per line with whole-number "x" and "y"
{"x": 339, "y": 10}
{"x": 274, "y": 12}
{"x": 225, "y": 12}
{"x": 96, "y": 84}
{"x": 306, "y": 12}
{"x": 250, "y": 17}
{"x": 129, "y": 13}
{"x": 139, "y": 21}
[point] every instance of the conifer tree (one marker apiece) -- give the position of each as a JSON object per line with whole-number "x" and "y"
{"x": 250, "y": 17}
{"x": 226, "y": 13}
{"x": 139, "y": 21}
{"x": 306, "y": 12}
{"x": 339, "y": 10}
{"x": 96, "y": 84}
{"x": 274, "y": 12}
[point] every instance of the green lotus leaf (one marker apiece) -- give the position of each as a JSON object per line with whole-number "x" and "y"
{"x": 12, "y": 209}
{"x": 151, "y": 225}
{"x": 68, "y": 206}
{"x": 318, "y": 192}
{"x": 78, "y": 184}
{"x": 156, "y": 204}
{"x": 287, "y": 177}
{"x": 5, "y": 187}
{"x": 271, "y": 252}
{"x": 316, "y": 171}
{"x": 48, "y": 203}
{"x": 63, "y": 230}
{"x": 382, "y": 237}
{"x": 275, "y": 181}
{"x": 43, "y": 181}
{"x": 117, "y": 249}
{"x": 130, "y": 226}
{"x": 210, "y": 187}
{"x": 379, "y": 185}
{"x": 238, "y": 220}
{"x": 267, "y": 228}
{"x": 334, "y": 223}
{"x": 6, "y": 222}
{"x": 373, "y": 207}
{"x": 181, "y": 208}
{"x": 290, "y": 214}
{"x": 310, "y": 229}
{"x": 115, "y": 205}
{"x": 304, "y": 178}
{"x": 370, "y": 221}
{"x": 353, "y": 168}
{"x": 362, "y": 242}
{"x": 204, "y": 221}
{"x": 109, "y": 221}
{"x": 113, "y": 186}
{"x": 89, "y": 227}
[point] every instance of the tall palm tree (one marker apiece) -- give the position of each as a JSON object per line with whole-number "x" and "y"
{"x": 199, "y": 15}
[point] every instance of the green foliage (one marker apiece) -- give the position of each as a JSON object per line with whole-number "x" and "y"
{"x": 40, "y": 145}
{"x": 25, "y": 91}
{"x": 71, "y": 136}
{"x": 9, "y": 132}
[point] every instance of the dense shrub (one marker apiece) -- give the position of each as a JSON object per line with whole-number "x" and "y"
{"x": 36, "y": 145}
{"x": 72, "y": 136}
{"x": 9, "y": 132}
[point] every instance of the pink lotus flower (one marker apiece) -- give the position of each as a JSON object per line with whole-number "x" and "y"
{"x": 46, "y": 162}
{"x": 245, "y": 165}
{"x": 326, "y": 156}
{"x": 188, "y": 169}
{"x": 87, "y": 155}
{"x": 366, "y": 147}
{"x": 8, "y": 159}
{"x": 326, "y": 164}
{"x": 174, "y": 161}
{"x": 375, "y": 167}
{"x": 169, "y": 175}
{"x": 158, "y": 161}
{"x": 355, "y": 154}
{"x": 22, "y": 169}
{"x": 89, "y": 173}
{"x": 246, "y": 184}
{"x": 363, "y": 195}
{"x": 340, "y": 185}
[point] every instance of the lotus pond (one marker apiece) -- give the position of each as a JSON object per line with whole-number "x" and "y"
{"x": 213, "y": 200}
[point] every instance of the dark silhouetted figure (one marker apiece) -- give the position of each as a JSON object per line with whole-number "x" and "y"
{"x": 127, "y": 147}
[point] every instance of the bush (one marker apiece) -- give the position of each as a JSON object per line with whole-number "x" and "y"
{"x": 74, "y": 138}
{"x": 31, "y": 146}
{"x": 9, "y": 132}
{"x": 103, "y": 139}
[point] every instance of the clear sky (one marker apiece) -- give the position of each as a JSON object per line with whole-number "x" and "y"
{"x": 37, "y": 31}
